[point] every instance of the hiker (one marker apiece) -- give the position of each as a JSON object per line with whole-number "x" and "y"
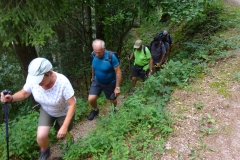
{"x": 106, "y": 76}
{"x": 158, "y": 52}
{"x": 169, "y": 40}
{"x": 165, "y": 33}
{"x": 55, "y": 94}
{"x": 167, "y": 47}
{"x": 143, "y": 63}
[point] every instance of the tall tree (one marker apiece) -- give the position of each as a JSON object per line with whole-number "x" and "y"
{"x": 26, "y": 24}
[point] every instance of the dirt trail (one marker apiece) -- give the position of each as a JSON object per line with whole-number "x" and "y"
{"x": 133, "y": 30}
{"x": 234, "y": 1}
{"x": 195, "y": 136}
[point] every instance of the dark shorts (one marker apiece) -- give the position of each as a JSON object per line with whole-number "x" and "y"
{"x": 96, "y": 88}
{"x": 46, "y": 120}
{"x": 138, "y": 71}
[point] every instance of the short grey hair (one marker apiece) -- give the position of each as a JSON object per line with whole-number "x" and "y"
{"x": 97, "y": 41}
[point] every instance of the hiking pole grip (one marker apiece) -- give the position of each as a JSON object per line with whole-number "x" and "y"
{"x": 5, "y": 92}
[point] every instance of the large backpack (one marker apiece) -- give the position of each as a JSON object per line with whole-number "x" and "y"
{"x": 109, "y": 56}
{"x": 149, "y": 47}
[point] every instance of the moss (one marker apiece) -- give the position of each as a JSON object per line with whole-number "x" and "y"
{"x": 224, "y": 91}
{"x": 217, "y": 84}
{"x": 171, "y": 151}
{"x": 221, "y": 88}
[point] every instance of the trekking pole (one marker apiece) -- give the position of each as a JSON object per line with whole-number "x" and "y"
{"x": 5, "y": 92}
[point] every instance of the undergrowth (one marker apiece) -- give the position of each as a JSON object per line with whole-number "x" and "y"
{"x": 22, "y": 134}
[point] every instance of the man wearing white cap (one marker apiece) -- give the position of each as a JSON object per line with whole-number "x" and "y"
{"x": 55, "y": 94}
{"x": 143, "y": 63}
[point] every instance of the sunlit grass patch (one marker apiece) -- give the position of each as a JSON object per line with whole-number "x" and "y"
{"x": 221, "y": 88}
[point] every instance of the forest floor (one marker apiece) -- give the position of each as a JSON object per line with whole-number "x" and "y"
{"x": 206, "y": 116}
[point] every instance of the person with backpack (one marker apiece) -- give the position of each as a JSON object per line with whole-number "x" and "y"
{"x": 167, "y": 47}
{"x": 158, "y": 52}
{"x": 168, "y": 36}
{"x": 55, "y": 94}
{"x": 165, "y": 34}
{"x": 143, "y": 63}
{"x": 106, "y": 76}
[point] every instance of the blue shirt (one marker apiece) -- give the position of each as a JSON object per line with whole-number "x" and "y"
{"x": 104, "y": 71}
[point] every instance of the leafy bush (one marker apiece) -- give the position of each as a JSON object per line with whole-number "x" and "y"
{"x": 81, "y": 109}
{"x": 209, "y": 51}
{"x": 133, "y": 123}
{"x": 10, "y": 79}
{"x": 22, "y": 138}
{"x": 22, "y": 134}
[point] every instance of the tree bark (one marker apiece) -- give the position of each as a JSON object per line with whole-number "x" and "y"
{"x": 25, "y": 55}
{"x": 99, "y": 20}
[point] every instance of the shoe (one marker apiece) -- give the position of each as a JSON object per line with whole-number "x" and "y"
{"x": 114, "y": 110}
{"x": 44, "y": 155}
{"x": 92, "y": 114}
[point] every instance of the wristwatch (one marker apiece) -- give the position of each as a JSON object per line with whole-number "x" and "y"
{"x": 118, "y": 88}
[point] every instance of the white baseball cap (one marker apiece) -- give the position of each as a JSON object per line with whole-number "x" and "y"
{"x": 137, "y": 44}
{"x": 36, "y": 70}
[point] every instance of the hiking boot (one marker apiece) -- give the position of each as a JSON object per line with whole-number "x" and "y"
{"x": 44, "y": 155}
{"x": 114, "y": 110}
{"x": 92, "y": 114}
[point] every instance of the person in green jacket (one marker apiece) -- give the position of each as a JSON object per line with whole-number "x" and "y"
{"x": 143, "y": 63}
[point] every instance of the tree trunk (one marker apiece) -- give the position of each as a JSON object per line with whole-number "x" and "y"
{"x": 99, "y": 20}
{"x": 62, "y": 47}
{"x": 25, "y": 55}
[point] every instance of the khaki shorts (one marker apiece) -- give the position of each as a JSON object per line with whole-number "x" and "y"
{"x": 46, "y": 120}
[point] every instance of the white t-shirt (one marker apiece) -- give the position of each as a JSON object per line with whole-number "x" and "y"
{"x": 53, "y": 100}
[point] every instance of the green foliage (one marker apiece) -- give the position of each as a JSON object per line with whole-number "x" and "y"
{"x": 236, "y": 76}
{"x": 9, "y": 73}
{"x": 10, "y": 78}
{"x": 209, "y": 51}
{"x": 185, "y": 10}
{"x": 221, "y": 88}
{"x": 210, "y": 119}
{"x": 180, "y": 73}
{"x": 31, "y": 21}
{"x": 207, "y": 22}
{"x": 136, "y": 124}
{"x": 198, "y": 105}
{"x": 81, "y": 109}
{"x": 22, "y": 137}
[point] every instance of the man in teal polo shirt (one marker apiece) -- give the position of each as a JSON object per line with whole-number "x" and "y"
{"x": 106, "y": 76}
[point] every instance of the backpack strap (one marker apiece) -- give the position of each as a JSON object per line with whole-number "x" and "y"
{"x": 92, "y": 54}
{"x": 110, "y": 56}
{"x": 144, "y": 50}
